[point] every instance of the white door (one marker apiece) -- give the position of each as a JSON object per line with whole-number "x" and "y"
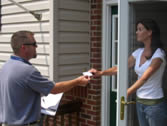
{"x": 123, "y": 59}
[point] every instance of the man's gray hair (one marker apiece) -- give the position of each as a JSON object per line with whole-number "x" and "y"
{"x": 19, "y": 38}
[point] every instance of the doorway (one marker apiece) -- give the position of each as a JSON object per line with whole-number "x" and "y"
{"x": 135, "y": 10}
{"x": 157, "y": 11}
{"x": 138, "y": 10}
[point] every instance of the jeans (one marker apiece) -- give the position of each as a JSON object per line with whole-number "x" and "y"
{"x": 152, "y": 115}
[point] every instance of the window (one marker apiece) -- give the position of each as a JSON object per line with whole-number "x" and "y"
{"x": 114, "y": 49}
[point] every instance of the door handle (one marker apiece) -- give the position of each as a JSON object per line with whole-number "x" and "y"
{"x": 123, "y": 103}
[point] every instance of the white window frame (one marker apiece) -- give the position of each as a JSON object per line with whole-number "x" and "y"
{"x": 114, "y": 53}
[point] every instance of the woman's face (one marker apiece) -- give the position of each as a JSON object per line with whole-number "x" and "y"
{"x": 142, "y": 34}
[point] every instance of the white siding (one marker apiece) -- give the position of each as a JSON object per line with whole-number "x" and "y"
{"x": 15, "y": 18}
{"x": 70, "y": 42}
{"x": 73, "y": 38}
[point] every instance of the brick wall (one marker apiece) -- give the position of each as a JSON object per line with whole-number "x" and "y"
{"x": 90, "y": 95}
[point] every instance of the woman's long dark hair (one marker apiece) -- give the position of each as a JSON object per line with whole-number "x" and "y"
{"x": 150, "y": 24}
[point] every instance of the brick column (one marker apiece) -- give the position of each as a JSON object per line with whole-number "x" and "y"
{"x": 94, "y": 98}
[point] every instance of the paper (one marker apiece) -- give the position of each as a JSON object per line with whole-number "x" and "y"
{"x": 87, "y": 74}
{"x": 50, "y": 103}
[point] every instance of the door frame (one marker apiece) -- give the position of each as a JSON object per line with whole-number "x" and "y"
{"x": 122, "y": 64}
{"x": 106, "y": 62}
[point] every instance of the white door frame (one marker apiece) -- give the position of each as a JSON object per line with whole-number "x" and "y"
{"x": 122, "y": 62}
{"x": 106, "y": 54}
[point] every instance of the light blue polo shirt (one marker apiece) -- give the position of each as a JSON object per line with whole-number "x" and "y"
{"x": 21, "y": 87}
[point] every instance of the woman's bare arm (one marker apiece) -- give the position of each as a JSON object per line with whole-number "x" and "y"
{"x": 156, "y": 63}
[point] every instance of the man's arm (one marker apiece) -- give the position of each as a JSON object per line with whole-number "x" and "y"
{"x": 67, "y": 85}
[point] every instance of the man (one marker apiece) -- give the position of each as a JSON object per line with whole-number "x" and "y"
{"x": 21, "y": 84}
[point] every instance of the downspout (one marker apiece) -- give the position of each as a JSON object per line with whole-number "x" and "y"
{"x": 37, "y": 16}
{"x": 53, "y": 39}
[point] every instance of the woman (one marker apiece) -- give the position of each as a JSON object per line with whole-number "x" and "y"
{"x": 149, "y": 64}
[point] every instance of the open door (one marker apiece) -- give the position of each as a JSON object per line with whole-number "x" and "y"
{"x": 129, "y": 11}
{"x": 155, "y": 9}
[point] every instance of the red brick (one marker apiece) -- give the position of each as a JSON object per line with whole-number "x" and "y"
{"x": 95, "y": 12}
{"x": 96, "y": 87}
{"x": 97, "y": 108}
{"x": 93, "y": 112}
{"x": 93, "y": 123}
{"x": 90, "y": 102}
{"x": 96, "y": 17}
{"x": 93, "y": 92}
{"x": 86, "y": 106}
{"x": 96, "y": 118}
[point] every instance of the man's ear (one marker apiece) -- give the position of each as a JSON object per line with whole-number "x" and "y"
{"x": 150, "y": 32}
{"x": 22, "y": 47}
